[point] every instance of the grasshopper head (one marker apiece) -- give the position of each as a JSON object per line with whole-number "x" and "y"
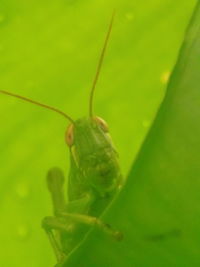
{"x": 93, "y": 152}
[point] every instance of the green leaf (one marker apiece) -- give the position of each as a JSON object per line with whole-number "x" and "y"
{"x": 158, "y": 209}
{"x": 49, "y": 52}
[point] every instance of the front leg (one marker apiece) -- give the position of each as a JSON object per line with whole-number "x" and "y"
{"x": 55, "y": 225}
{"x": 49, "y": 224}
{"x": 55, "y": 181}
{"x": 63, "y": 224}
{"x": 93, "y": 221}
{"x": 62, "y": 221}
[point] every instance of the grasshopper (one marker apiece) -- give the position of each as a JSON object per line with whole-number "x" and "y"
{"x": 94, "y": 178}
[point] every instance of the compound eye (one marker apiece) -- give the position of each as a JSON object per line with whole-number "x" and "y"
{"x": 69, "y": 137}
{"x": 102, "y": 123}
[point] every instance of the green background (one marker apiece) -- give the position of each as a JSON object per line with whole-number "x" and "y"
{"x": 49, "y": 52}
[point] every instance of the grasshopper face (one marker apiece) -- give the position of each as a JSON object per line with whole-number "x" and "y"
{"x": 92, "y": 150}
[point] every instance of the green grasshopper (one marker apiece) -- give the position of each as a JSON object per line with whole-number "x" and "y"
{"x": 94, "y": 178}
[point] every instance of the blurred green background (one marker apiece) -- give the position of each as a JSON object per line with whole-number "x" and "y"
{"x": 49, "y": 52}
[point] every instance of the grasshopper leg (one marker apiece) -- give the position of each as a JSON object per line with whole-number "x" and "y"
{"x": 59, "y": 223}
{"x": 55, "y": 181}
{"x": 93, "y": 221}
{"x": 49, "y": 224}
{"x": 57, "y": 250}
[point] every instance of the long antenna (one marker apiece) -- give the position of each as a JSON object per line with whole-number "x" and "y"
{"x": 99, "y": 66}
{"x": 38, "y": 104}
